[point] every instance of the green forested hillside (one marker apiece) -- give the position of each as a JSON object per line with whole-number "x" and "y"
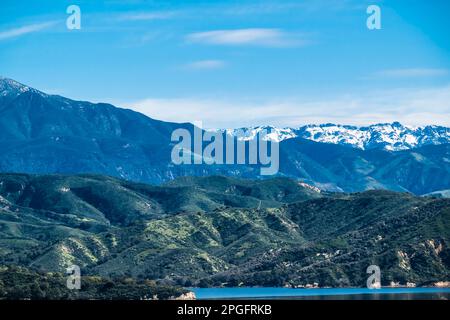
{"x": 18, "y": 283}
{"x": 218, "y": 231}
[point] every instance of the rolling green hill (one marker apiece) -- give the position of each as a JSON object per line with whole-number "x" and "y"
{"x": 221, "y": 231}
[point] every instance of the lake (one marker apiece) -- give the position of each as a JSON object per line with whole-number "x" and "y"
{"x": 322, "y": 294}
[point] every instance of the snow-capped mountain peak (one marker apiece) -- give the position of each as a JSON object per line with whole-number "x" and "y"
{"x": 9, "y": 86}
{"x": 389, "y": 136}
{"x": 270, "y": 133}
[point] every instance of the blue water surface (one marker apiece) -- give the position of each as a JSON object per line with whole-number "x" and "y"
{"x": 276, "y": 292}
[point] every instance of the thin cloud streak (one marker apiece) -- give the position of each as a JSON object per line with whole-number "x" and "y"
{"x": 412, "y": 73}
{"x": 17, "y": 32}
{"x": 308, "y": 6}
{"x": 252, "y": 36}
{"x": 205, "y": 65}
{"x": 146, "y": 16}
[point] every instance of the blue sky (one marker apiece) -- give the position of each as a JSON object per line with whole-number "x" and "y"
{"x": 238, "y": 63}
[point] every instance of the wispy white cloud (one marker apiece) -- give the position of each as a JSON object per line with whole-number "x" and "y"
{"x": 20, "y": 31}
{"x": 271, "y": 7}
{"x": 412, "y": 73}
{"x": 252, "y": 36}
{"x": 409, "y": 106}
{"x": 146, "y": 16}
{"x": 205, "y": 65}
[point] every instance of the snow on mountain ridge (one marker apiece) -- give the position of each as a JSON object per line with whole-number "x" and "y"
{"x": 389, "y": 136}
{"x": 272, "y": 133}
{"x": 10, "y": 87}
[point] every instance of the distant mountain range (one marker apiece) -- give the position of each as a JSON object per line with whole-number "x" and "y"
{"x": 41, "y": 133}
{"x": 204, "y": 225}
{"x": 389, "y": 136}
